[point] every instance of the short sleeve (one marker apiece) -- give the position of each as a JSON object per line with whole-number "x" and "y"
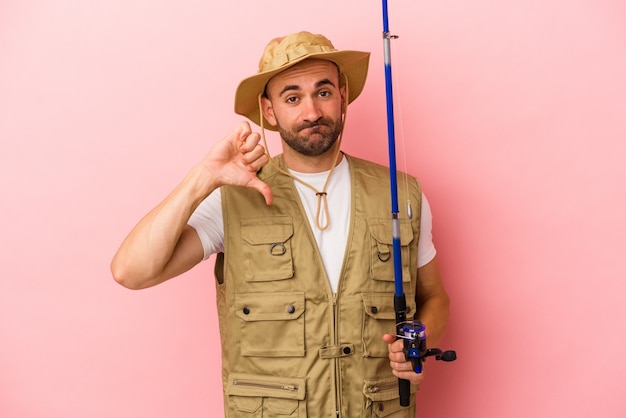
{"x": 425, "y": 247}
{"x": 208, "y": 222}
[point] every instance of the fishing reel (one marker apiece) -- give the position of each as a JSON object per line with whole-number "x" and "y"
{"x": 414, "y": 335}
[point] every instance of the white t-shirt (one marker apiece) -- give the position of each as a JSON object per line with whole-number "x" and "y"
{"x": 208, "y": 223}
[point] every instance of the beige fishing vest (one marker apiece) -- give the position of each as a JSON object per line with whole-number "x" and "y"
{"x": 290, "y": 347}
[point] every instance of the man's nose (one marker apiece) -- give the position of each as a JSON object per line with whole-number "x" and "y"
{"x": 311, "y": 110}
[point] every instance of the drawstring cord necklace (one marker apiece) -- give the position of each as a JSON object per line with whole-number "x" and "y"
{"x": 322, "y": 198}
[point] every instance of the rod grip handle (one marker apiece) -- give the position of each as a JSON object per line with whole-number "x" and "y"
{"x": 404, "y": 386}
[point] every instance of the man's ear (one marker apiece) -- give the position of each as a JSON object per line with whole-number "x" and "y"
{"x": 268, "y": 110}
{"x": 343, "y": 91}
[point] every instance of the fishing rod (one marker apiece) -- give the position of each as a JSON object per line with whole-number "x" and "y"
{"x": 413, "y": 332}
{"x": 399, "y": 301}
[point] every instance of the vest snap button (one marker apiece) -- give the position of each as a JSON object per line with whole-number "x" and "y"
{"x": 374, "y": 310}
{"x": 291, "y": 309}
{"x": 346, "y": 350}
{"x": 246, "y": 310}
{"x": 381, "y": 407}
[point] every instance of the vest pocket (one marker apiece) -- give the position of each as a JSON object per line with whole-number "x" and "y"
{"x": 267, "y": 248}
{"x": 381, "y": 249}
{"x": 382, "y": 399}
{"x": 272, "y": 324}
{"x": 379, "y": 318}
{"x": 259, "y": 396}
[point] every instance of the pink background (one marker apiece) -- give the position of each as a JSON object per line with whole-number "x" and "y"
{"x": 513, "y": 118}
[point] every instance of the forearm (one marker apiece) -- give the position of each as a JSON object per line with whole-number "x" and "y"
{"x": 432, "y": 301}
{"x": 144, "y": 257}
{"x": 434, "y": 314}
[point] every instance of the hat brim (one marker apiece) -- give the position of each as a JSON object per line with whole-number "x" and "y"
{"x": 353, "y": 64}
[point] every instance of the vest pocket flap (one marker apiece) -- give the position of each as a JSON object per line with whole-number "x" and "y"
{"x": 266, "y": 230}
{"x": 247, "y": 404}
{"x": 266, "y": 248}
{"x": 278, "y": 306}
{"x": 250, "y": 385}
{"x": 382, "y": 396}
{"x": 379, "y": 305}
{"x": 382, "y": 231}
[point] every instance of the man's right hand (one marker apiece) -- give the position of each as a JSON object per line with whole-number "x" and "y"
{"x": 236, "y": 159}
{"x": 162, "y": 245}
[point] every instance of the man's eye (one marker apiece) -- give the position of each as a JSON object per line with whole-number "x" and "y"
{"x": 324, "y": 93}
{"x": 291, "y": 99}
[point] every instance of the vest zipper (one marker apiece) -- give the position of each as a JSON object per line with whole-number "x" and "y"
{"x": 383, "y": 387}
{"x": 265, "y": 385}
{"x": 336, "y": 360}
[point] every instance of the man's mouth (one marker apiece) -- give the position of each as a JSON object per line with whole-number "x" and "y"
{"x": 313, "y": 128}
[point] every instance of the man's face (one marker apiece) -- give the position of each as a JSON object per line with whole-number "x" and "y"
{"x": 305, "y": 103}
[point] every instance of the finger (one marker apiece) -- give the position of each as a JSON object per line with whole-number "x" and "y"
{"x": 262, "y": 188}
{"x": 397, "y": 356}
{"x": 244, "y": 130}
{"x": 239, "y": 134}
{"x": 399, "y": 363}
{"x": 389, "y": 338}
{"x": 396, "y": 347}
{"x": 256, "y": 154}
{"x": 246, "y": 134}
{"x": 257, "y": 163}
{"x": 414, "y": 378}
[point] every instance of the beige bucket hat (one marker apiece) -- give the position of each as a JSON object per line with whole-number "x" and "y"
{"x": 282, "y": 53}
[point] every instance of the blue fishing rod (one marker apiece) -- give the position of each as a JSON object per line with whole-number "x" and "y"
{"x": 412, "y": 332}
{"x": 399, "y": 301}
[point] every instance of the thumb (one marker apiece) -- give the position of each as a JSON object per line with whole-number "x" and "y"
{"x": 389, "y": 338}
{"x": 262, "y": 188}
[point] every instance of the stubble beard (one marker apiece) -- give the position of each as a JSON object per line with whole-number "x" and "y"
{"x": 320, "y": 137}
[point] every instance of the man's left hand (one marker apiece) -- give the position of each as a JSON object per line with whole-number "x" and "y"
{"x": 401, "y": 368}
